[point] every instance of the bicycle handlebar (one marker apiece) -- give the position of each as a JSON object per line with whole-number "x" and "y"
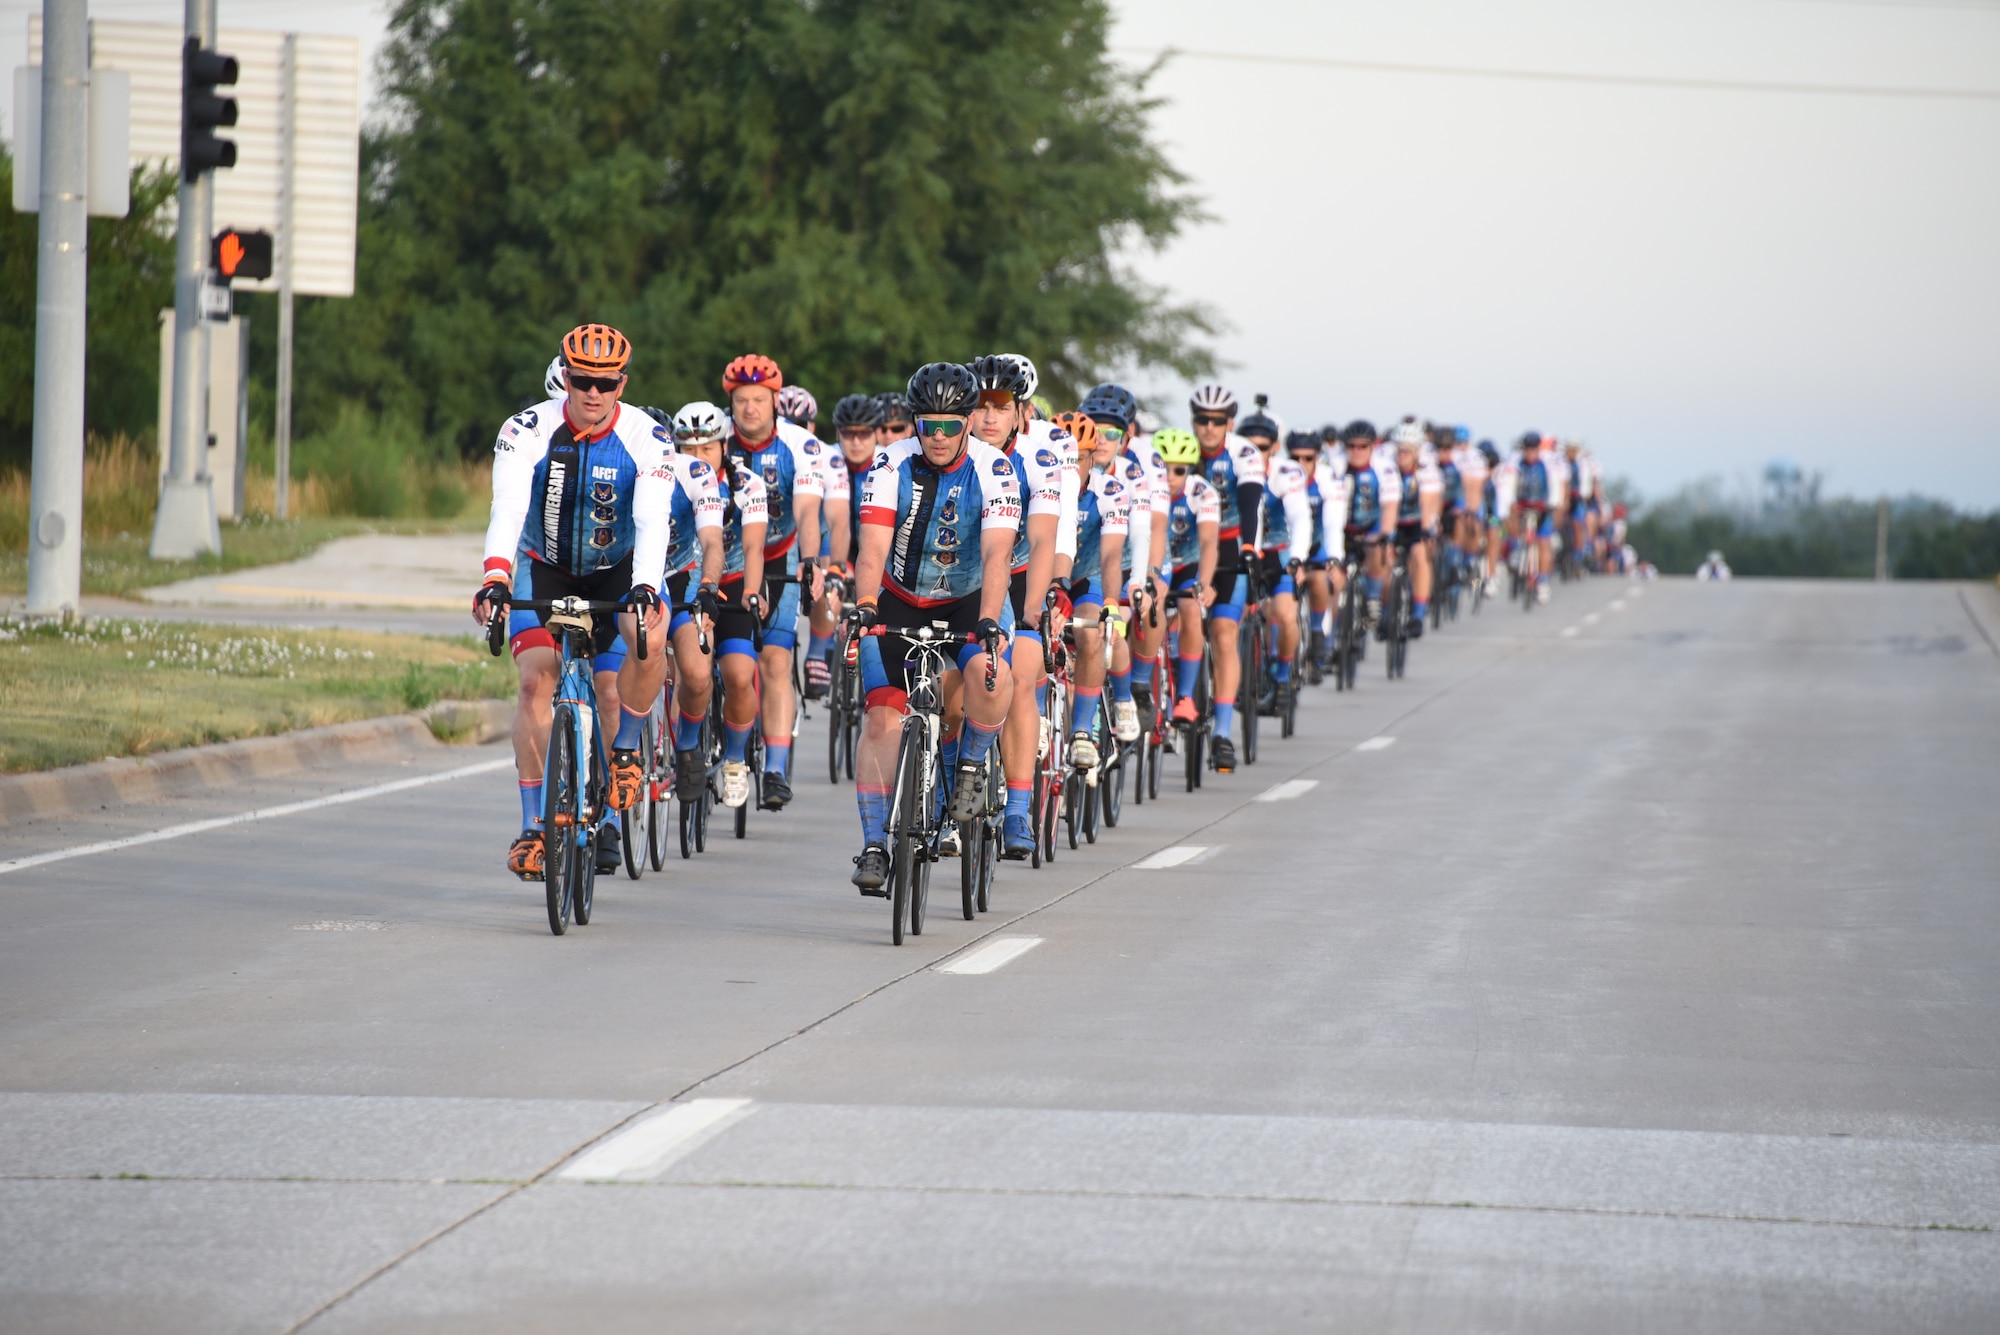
{"x": 496, "y": 624}
{"x": 932, "y": 637}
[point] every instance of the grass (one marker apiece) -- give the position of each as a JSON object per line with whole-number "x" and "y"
{"x": 101, "y": 688}
{"x": 373, "y": 487}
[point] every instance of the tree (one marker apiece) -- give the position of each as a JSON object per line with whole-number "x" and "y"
{"x": 853, "y": 187}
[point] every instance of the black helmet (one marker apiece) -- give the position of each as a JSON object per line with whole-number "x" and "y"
{"x": 1002, "y": 373}
{"x": 1360, "y": 429}
{"x": 895, "y": 408}
{"x": 857, "y": 410}
{"x": 1531, "y": 440}
{"x": 1258, "y": 424}
{"x": 1489, "y": 453}
{"x": 945, "y": 388}
{"x": 1330, "y": 433}
{"x": 1113, "y": 401}
{"x": 1302, "y": 440}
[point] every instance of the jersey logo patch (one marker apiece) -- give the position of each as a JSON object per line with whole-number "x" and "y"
{"x": 602, "y": 537}
{"x": 662, "y": 435}
{"x": 1001, "y": 467}
{"x": 608, "y": 473}
{"x": 1046, "y": 458}
{"x": 527, "y": 419}
{"x": 603, "y": 491}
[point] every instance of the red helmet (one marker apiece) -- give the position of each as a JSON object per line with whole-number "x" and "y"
{"x": 1617, "y": 512}
{"x": 752, "y": 368}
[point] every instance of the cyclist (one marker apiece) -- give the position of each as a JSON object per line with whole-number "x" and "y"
{"x": 1281, "y": 543}
{"x": 1527, "y": 501}
{"x": 1580, "y": 488}
{"x": 1103, "y": 517}
{"x": 857, "y": 422}
{"x": 897, "y": 423}
{"x": 797, "y": 406}
{"x": 580, "y": 509}
{"x": 939, "y": 515}
{"x": 1235, "y": 469}
{"x": 730, "y": 598}
{"x": 1115, "y": 413}
{"x": 1044, "y": 550}
{"x": 1313, "y": 578}
{"x": 1472, "y": 474}
{"x": 1417, "y": 518}
{"x": 791, "y": 462}
{"x": 1370, "y": 493}
{"x": 1194, "y": 547}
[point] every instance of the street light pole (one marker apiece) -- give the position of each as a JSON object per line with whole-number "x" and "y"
{"x": 55, "y": 493}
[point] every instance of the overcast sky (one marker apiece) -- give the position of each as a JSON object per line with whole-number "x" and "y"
{"x": 1695, "y": 279}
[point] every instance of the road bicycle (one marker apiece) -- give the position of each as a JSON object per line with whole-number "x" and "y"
{"x": 1191, "y": 738}
{"x": 1396, "y": 612}
{"x": 1350, "y": 626}
{"x": 1045, "y": 804}
{"x": 576, "y": 771}
{"x": 844, "y": 704}
{"x": 1252, "y": 652}
{"x": 1152, "y": 686}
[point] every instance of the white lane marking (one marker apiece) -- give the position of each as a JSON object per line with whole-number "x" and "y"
{"x": 991, "y": 955}
{"x": 1170, "y": 857}
{"x": 243, "y": 817}
{"x": 1569, "y": 632}
{"x": 1288, "y": 790}
{"x": 642, "y": 1151}
{"x": 1376, "y": 744}
{"x": 1618, "y": 605}
{"x": 1591, "y": 618}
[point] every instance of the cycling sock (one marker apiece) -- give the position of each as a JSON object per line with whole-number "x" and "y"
{"x": 1371, "y": 586}
{"x": 873, "y": 799}
{"x": 531, "y": 805}
{"x": 687, "y": 732}
{"x": 1419, "y": 607}
{"x": 977, "y": 742}
{"x": 735, "y": 741}
{"x": 1084, "y": 717}
{"x": 777, "y": 757}
{"x": 1281, "y": 670}
{"x": 1225, "y": 717}
{"x": 631, "y": 728}
{"x": 948, "y": 752}
{"x": 1020, "y": 796}
{"x": 1184, "y": 674}
{"x": 1042, "y": 697}
{"x": 1121, "y": 685}
{"x": 819, "y": 646}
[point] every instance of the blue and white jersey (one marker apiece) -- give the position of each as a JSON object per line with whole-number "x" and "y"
{"x": 582, "y": 503}
{"x": 1367, "y": 494}
{"x": 1196, "y": 505}
{"x": 1045, "y": 473}
{"x": 1422, "y": 483}
{"x": 1454, "y": 484}
{"x": 1104, "y": 510}
{"x": 1534, "y": 483}
{"x": 1145, "y": 479}
{"x": 938, "y": 517}
{"x": 792, "y": 464}
{"x": 1287, "y": 510}
{"x": 1237, "y": 465}
{"x": 697, "y": 505}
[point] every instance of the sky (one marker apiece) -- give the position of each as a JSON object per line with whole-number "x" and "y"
{"x": 1694, "y": 279}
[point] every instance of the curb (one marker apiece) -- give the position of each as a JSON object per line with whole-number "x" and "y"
{"x": 110, "y": 783}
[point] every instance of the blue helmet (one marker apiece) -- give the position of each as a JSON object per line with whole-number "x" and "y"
{"x": 1113, "y": 401}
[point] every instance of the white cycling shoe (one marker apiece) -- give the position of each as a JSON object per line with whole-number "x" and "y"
{"x": 1125, "y": 720}
{"x": 735, "y": 783}
{"x": 1083, "y": 750}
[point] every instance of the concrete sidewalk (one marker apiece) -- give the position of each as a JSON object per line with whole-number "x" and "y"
{"x": 428, "y": 572}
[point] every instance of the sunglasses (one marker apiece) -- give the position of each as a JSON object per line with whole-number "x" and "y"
{"x": 602, "y": 384}
{"x": 1114, "y": 434}
{"x": 857, "y": 432}
{"x": 941, "y": 428}
{"x": 995, "y": 398}
{"x": 1179, "y": 470}
{"x": 1212, "y": 419}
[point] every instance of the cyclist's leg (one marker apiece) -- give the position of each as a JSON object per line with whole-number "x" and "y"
{"x": 1190, "y": 640}
{"x": 1089, "y": 674}
{"x": 639, "y": 681}
{"x": 779, "y": 640}
{"x": 1420, "y": 577}
{"x": 735, "y": 645}
{"x": 1020, "y": 739}
{"x": 1224, "y": 617}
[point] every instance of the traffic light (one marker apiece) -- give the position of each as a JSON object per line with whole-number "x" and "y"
{"x": 202, "y": 109}
{"x": 239, "y": 254}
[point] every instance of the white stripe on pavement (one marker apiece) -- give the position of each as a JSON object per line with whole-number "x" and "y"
{"x": 1592, "y": 618}
{"x": 1288, "y": 790}
{"x": 243, "y": 817}
{"x": 642, "y": 1151}
{"x": 1569, "y": 632}
{"x": 991, "y": 955}
{"x": 1376, "y": 744}
{"x": 1170, "y": 857}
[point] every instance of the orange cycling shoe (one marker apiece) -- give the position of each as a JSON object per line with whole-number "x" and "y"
{"x": 524, "y": 859}
{"x": 626, "y": 779}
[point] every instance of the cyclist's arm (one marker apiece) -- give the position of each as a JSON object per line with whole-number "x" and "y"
{"x": 652, "y": 518}
{"x": 711, "y": 555}
{"x": 873, "y": 559}
{"x": 515, "y": 454}
{"x": 840, "y": 521}
{"x": 1070, "y": 490}
{"x": 996, "y": 555}
{"x": 753, "y": 557}
{"x": 1299, "y": 518}
{"x": 1211, "y": 549}
{"x": 1041, "y": 558}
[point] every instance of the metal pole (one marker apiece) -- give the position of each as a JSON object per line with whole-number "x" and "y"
{"x": 288, "y": 105}
{"x": 55, "y": 490}
{"x": 1882, "y": 538}
{"x": 184, "y": 525}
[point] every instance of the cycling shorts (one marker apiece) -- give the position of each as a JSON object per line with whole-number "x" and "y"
{"x": 1092, "y": 596}
{"x": 885, "y": 665}
{"x": 1231, "y": 587}
{"x": 1276, "y": 577}
{"x": 536, "y": 578}
{"x": 735, "y": 630}
{"x": 1546, "y": 528}
{"x": 1409, "y": 535}
{"x": 1013, "y": 617}
{"x": 781, "y": 602}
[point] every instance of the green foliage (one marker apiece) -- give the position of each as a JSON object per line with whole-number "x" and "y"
{"x": 131, "y": 282}
{"x": 378, "y": 467}
{"x": 1928, "y": 539}
{"x": 853, "y": 186}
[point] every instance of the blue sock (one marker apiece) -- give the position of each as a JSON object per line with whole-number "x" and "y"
{"x": 687, "y": 733}
{"x": 531, "y": 805}
{"x": 1042, "y": 697}
{"x": 1281, "y": 670}
{"x": 948, "y": 753}
{"x": 818, "y": 646}
{"x": 735, "y": 741}
{"x": 1225, "y": 717}
{"x": 1371, "y": 586}
{"x": 1419, "y": 607}
{"x": 777, "y": 757}
{"x": 1184, "y": 674}
{"x": 1019, "y": 800}
{"x": 873, "y": 799}
{"x": 631, "y": 728}
{"x": 977, "y": 741}
{"x": 1084, "y": 716}
{"x": 1121, "y": 685}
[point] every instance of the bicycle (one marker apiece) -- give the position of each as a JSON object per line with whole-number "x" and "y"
{"x": 1194, "y": 735}
{"x": 1252, "y": 651}
{"x": 576, "y": 770}
{"x": 844, "y": 705}
{"x": 1395, "y": 611}
{"x": 1154, "y": 725}
{"x": 1349, "y": 631}
{"x": 979, "y": 841}
{"x": 1528, "y": 560}
{"x": 1052, "y": 767}
{"x": 916, "y": 816}
{"x": 643, "y": 823}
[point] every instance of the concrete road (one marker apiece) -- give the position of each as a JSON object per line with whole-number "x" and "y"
{"x": 1628, "y": 966}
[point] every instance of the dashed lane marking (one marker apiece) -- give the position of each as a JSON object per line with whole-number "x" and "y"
{"x": 648, "y": 1147}
{"x": 990, "y": 956}
{"x": 1170, "y": 857}
{"x": 1376, "y": 744}
{"x": 1288, "y": 790}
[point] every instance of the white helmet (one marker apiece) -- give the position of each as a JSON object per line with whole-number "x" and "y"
{"x": 699, "y": 423}
{"x": 1213, "y": 399}
{"x": 1027, "y": 369}
{"x": 1409, "y": 434}
{"x": 553, "y": 381}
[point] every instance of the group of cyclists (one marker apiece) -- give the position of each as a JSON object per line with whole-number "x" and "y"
{"x": 1012, "y": 612}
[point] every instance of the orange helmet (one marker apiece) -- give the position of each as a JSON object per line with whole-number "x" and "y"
{"x": 1083, "y": 428}
{"x": 752, "y": 368}
{"x": 596, "y": 349}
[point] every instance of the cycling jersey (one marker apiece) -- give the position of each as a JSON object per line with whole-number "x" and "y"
{"x": 1197, "y": 504}
{"x": 1417, "y": 486}
{"x": 843, "y": 483}
{"x": 1047, "y": 486}
{"x": 1147, "y": 478}
{"x": 792, "y": 464}
{"x": 1236, "y": 471}
{"x": 1454, "y": 484}
{"x": 581, "y": 503}
{"x": 1286, "y": 510}
{"x": 1104, "y": 510}
{"x": 1534, "y": 483}
{"x": 938, "y": 517}
{"x": 698, "y": 504}
{"x": 1365, "y": 497}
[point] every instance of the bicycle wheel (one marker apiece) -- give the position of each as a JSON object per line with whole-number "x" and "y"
{"x": 836, "y": 733}
{"x": 701, "y": 810}
{"x": 989, "y": 860}
{"x": 657, "y": 801}
{"x": 1035, "y": 805}
{"x": 1111, "y": 790}
{"x": 969, "y": 834}
{"x": 906, "y": 824}
{"x": 561, "y": 819}
{"x": 1072, "y": 807}
{"x": 1250, "y": 692}
{"x": 753, "y": 755}
{"x": 635, "y": 823}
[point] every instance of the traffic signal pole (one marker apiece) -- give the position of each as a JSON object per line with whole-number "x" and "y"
{"x": 55, "y": 500}
{"x": 184, "y": 526}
